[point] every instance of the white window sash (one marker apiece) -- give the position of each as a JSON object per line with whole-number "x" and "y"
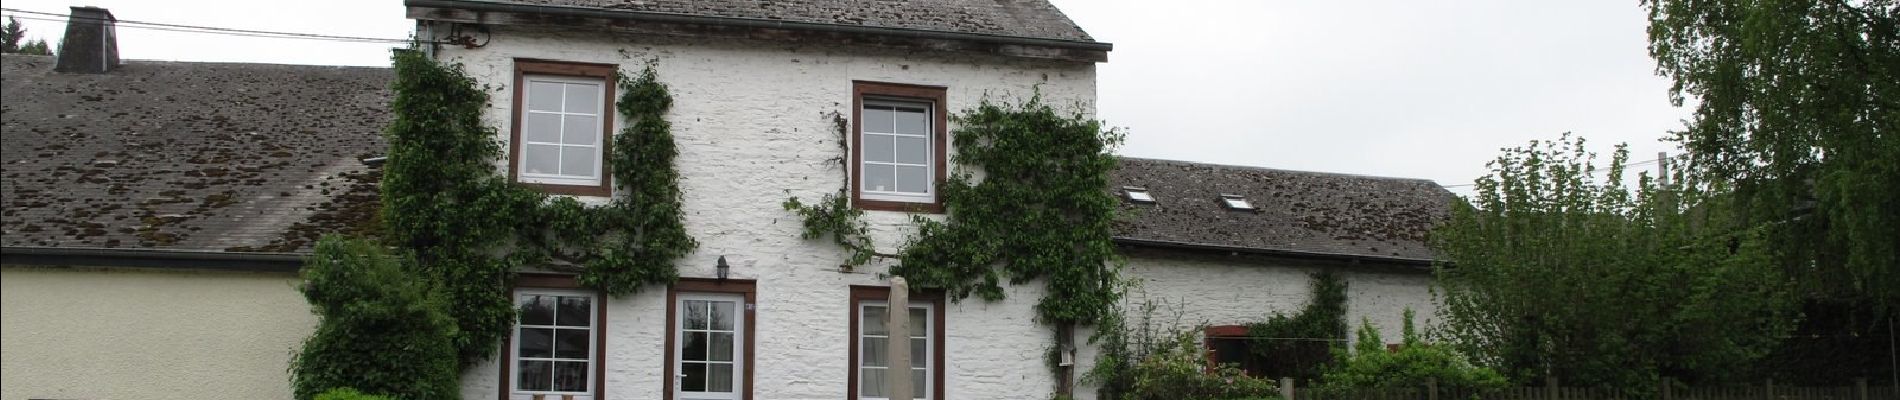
{"x": 593, "y": 345}
{"x": 930, "y": 159}
{"x": 928, "y": 332}
{"x": 738, "y": 346}
{"x": 601, "y": 117}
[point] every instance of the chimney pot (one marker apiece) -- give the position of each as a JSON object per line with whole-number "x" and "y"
{"x": 91, "y": 45}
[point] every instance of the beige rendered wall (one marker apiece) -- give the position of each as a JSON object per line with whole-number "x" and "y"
{"x": 72, "y": 333}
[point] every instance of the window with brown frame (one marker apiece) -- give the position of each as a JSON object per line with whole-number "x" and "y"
{"x": 870, "y": 342}
{"x": 898, "y": 146}
{"x": 559, "y": 139}
{"x": 709, "y": 339}
{"x": 556, "y": 349}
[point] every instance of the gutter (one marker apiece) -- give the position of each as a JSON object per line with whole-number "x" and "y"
{"x": 590, "y": 12}
{"x": 1352, "y": 258}
{"x": 151, "y": 258}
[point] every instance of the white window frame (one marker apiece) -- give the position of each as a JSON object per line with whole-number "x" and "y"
{"x": 738, "y": 346}
{"x": 593, "y": 344}
{"x": 930, "y": 347}
{"x": 600, "y": 116}
{"x": 929, "y": 195}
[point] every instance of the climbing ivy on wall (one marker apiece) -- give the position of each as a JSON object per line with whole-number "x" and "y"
{"x": 468, "y": 229}
{"x": 1300, "y": 345}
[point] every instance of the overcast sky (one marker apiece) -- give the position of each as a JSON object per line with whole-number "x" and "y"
{"x": 1405, "y": 88}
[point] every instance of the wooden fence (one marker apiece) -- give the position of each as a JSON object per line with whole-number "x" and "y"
{"x": 1767, "y": 391}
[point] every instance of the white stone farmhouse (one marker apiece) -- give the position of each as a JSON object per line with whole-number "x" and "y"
{"x": 203, "y": 261}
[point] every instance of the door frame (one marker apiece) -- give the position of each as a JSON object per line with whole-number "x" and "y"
{"x": 746, "y": 289}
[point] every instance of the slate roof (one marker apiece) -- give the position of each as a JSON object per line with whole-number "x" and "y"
{"x": 1296, "y": 211}
{"x": 187, "y": 156}
{"x": 1012, "y": 18}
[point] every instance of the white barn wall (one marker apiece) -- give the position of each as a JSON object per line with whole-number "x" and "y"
{"x": 753, "y": 127}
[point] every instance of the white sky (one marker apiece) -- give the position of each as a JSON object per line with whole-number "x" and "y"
{"x": 1406, "y": 88}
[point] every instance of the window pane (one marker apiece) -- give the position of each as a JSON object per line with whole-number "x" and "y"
{"x": 912, "y": 121}
{"x": 877, "y": 120}
{"x": 695, "y": 380}
{"x": 578, "y": 161}
{"x": 874, "y": 354}
{"x": 581, "y": 130}
{"x": 574, "y": 311}
{"x": 911, "y": 179}
{"x": 721, "y": 377}
{"x": 570, "y": 376}
{"x": 536, "y": 375}
{"x": 874, "y": 320}
{"x": 583, "y": 98}
{"x": 544, "y": 96}
{"x": 537, "y": 310}
{"x": 919, "y": 322}
{"x": 570, "y": 343}
{"x": 871, "y": 382}
{"x": 541, "y": 159}
{"x": 917, "y": 384}
{"x": 538, "y": 127}
{"x": 877, "y": 148}
{"x": 880, "y": 178}
{"x": 695, "y": 314}
{"x": 695, "y": 349}
{"x": 912, "y": 150}
{"x": 722, "y": 315}
{"x": 721, "y": 347}
{"x": 536, "y": 342}
{"x": 918, "y": 355}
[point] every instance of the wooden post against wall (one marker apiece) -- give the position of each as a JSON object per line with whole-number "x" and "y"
{"x": 897, "y": 322}
{"x": 1286, "y": 388}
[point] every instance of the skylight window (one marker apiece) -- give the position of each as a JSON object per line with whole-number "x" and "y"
{"x": 1138, "y": 194}
{"x": 1235, "y": 202}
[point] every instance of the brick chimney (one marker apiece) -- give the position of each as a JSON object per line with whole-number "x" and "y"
{"x": 92, "y": 43}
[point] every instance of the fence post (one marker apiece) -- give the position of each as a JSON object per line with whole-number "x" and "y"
{"x": 1771, "y": 388}
{"x": 1860, "y": 388}
{"x": 1286, "y": 388}
{"x": 1551, "y": 382}
{"x": 1667, "y": 388}
{"x": 1431, "y": 388}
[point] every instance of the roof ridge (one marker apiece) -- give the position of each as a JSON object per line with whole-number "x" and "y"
{"x": 1261, "y": 168}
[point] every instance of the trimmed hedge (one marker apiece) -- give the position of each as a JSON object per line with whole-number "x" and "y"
{"x": 382, "y": 330}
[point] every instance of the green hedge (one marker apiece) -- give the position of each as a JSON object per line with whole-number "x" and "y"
{"x": 381, "y": 331}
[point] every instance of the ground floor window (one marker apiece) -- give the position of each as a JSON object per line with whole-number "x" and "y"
{"x": 871, "y": 345}
{"x": 709, "y": 341}
{"x": 554, "y": 350}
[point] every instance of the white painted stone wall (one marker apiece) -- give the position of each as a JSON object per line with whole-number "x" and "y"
{"x": 1195, "y": 289}
{"x": 81, "y": 333}
{"x": 753, "y": 127}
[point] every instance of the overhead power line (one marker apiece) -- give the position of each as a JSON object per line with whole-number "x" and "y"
{"x": 209, "y": 29}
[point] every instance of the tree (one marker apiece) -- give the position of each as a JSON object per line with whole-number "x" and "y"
{"x": 36, "y": 47}
{"x": 10, "y": 36}
{"x": 1550, "y": 271}
{"x": 1798, "y": 110}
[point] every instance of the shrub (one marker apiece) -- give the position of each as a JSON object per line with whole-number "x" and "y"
{"x": 1179, "y": 372}
{"x": 380, "y": 330}
{"x": 348, "y": 394}
{"x": 1370, "y": 366}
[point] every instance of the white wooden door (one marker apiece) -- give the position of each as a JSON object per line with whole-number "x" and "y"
{"x": 709, "y": 352}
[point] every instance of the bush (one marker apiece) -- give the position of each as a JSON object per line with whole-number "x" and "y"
{"x": 1372, "y": 367}
{"x": 380, "y": 330}
{"x": 1179, "y": 372}
{"x": 348, "y": 394}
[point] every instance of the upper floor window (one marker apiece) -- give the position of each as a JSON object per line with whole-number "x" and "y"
{"x": 898, "y": 149}
{"x": 562, "y": 114}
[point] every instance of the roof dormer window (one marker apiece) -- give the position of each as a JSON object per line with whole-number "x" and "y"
{"x": 1137, "y": 194}
{"x": 1235, "y": 202}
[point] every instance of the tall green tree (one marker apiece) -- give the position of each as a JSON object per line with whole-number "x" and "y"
{"x": 10, "y": 36}
{"x": 1798, "y": 109}
{"x": 1553, "y": 269}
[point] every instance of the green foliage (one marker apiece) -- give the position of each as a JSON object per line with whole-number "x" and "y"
{"x": 1550, "y": 272}
{"x": 1370, "y": 366}
{"x": 469, "y": 229}
{"x": 835, "y": 217}
{"x": 1178, "y": 371}
{"x": 13, "y": 33}
{"x": 1038, "y": 211}
{"x": 36, "y": 47}
{"x": 348, "y": 394}
{"x": 1284, "y": 345}
{"x": 380, "y": 330}
{"x": 1797, "y": 109}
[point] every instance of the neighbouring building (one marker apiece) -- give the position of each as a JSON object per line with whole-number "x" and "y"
{"x": 155, "y": 212}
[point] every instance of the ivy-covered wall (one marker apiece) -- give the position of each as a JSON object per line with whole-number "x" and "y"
{"x": 753, "y": 123}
